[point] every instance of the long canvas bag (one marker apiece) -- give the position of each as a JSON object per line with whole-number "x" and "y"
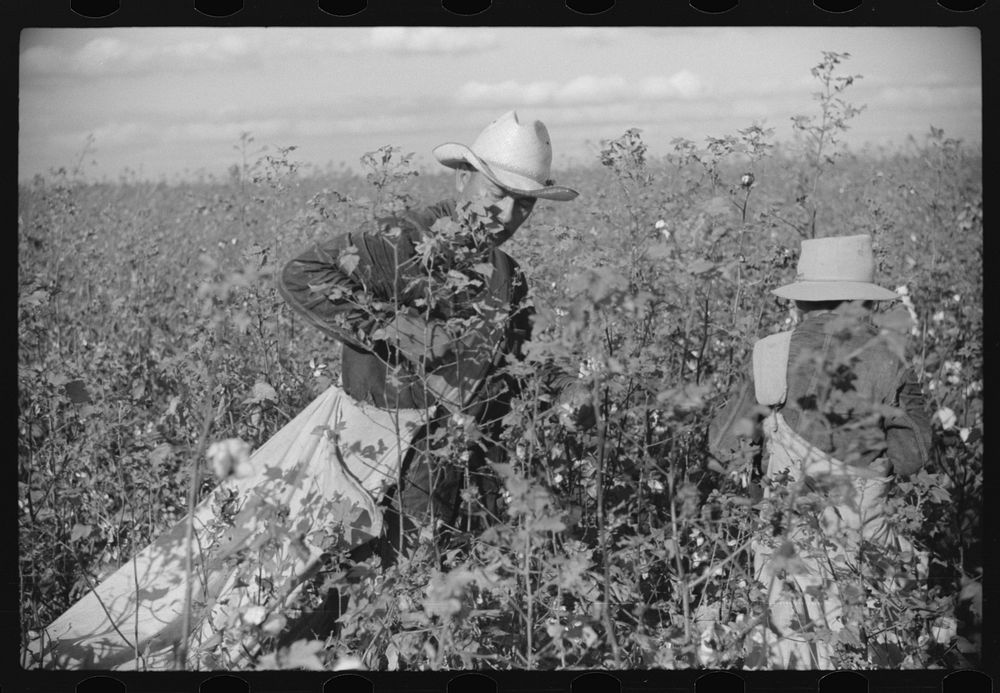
{"x": 315, "y": 484}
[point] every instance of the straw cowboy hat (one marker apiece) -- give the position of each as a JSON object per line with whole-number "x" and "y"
{"x": 837, "y": 268}
{"x": 516, "y": 156}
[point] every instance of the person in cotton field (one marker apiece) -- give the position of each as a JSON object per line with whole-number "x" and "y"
{"x": 427, "y": 307}
{"x": 831, "y": 409}
{"x": 410, "y": 361}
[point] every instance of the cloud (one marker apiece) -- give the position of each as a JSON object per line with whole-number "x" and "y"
{"x": 107, "y": 55}
{"x": 261, "y": 129}
{"x": 135, "y": 133}
{"x": 373, "y": 124}
{"x": 931, "y": 97}
{"x": 586, "y": 89}
{"x": 598, "y": 34}
{"x": 113, "y": 134}
{"x": 684, "y": 84}
{"x": 432, "y": 39}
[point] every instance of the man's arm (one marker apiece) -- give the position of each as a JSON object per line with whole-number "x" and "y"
{"x": 908, "y": 432}
{"x": 349, "y": 292}
{"x": 319, "y": 289}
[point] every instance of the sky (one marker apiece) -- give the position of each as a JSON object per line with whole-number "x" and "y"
{"x": 167, "y": 103}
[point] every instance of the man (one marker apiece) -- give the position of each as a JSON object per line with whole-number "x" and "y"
{"x": 401, "y": 347}
{"x": 844, "y": 414}
{"x": 426, "y": 307}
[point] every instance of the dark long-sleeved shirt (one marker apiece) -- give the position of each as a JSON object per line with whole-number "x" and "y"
{"x": 828, "y": 409}
{"x": 352, "y": 303}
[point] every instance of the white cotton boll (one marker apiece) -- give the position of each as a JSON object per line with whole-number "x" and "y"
{"x": 655, "y": 485}
{"x": 903, "y": 290}
{"x": 952, "y": 371}
{"x": 461, "y": 420}
{"x": 661, "y": 224}
{"x": 947, "y": 418}
{"x": 588, "y": 367}
{"x": 938, "y": 316}
{"x": 229, "y": 456}
{"x": 254, "y": 615}
{"x": 944, "y": 629}
{"x": 964, "y": 433}
{"x": 348, "y": 663}
{"x": 274, "y": 625}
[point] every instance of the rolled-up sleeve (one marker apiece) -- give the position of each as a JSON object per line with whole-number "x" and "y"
{"x": 358, "y": 300}
{"x": 317, "y": 287}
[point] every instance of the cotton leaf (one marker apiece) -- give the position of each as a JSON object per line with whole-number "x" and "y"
{"x": 483, "y": 268}
{"x": 973, "y": 592}
{"x": 57, "y": 379}
{"x": 700, "y": 267}
{"x": 36, "y": 298}
{"x": 349, "y": 259}
{"x": 77, "y": 392}
{"x": 160, "y": 454}
{"x": 392, "y": 657}
{"x": 717, "y": 206}
{"x": 80, "y": 532}
{"x": 263, "y": 391}
{"x": 548, "y": 524}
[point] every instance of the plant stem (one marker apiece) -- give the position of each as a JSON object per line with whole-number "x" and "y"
{"x": 529, "y": 656}
{"x": 180, "y": 660}
{"x": 602, "y": 426}
{"x": 685, "y": 588}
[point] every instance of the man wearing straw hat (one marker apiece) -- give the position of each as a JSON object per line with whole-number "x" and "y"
{"x": 247, "y": 549}
{"x": 415, "y": 364}
{"x": 838, "y": 413}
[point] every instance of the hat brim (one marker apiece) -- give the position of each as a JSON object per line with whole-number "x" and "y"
{"x": 835, "y": 291}
{"x": 455, "y": 155}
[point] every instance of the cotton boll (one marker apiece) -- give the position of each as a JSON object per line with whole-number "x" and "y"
{"x": 230, "y": 456}
{"x": 274, "y": 625}
{"x": 348, "y": 663}
{"x": 254, "y": 615}
{"x": 947, "y": 418}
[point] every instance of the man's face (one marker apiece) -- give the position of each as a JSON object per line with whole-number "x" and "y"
{"x": 507, "y": 209}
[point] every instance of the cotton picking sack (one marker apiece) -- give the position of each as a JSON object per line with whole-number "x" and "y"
{"x": 314, "y": 486}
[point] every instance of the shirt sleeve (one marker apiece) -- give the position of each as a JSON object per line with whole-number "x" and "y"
{"x": 317, "y": 287}
{"x": 349, "y": 285}
{"x": 908, "y": 430}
